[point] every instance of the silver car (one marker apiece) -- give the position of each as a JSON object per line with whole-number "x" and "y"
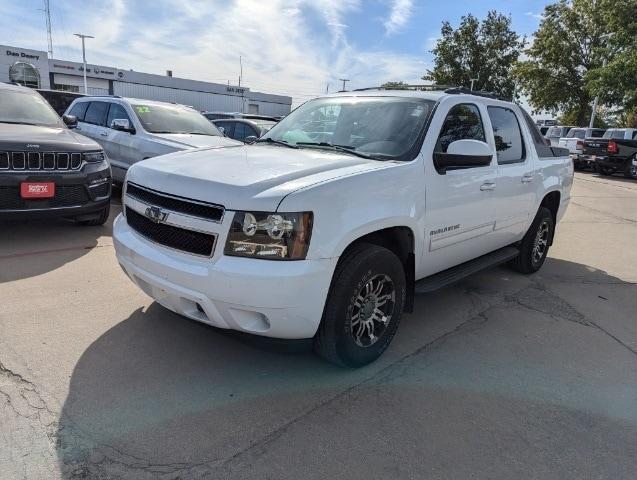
{"x": 130, "y": 130}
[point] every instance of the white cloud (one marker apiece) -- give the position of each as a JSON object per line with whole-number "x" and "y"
{"x": 289, "y": 47}
{"x": 400, "y": 14}
{"x": 537, "y": 16}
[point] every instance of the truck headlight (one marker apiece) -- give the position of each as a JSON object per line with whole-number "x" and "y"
{"x": 272, "y": 236}
{"x": 94, "y": 157}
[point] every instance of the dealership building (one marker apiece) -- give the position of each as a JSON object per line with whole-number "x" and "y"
{"x": 35, "y": 69}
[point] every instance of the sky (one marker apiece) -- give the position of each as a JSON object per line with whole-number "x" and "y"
{"x": 299, "y": 48}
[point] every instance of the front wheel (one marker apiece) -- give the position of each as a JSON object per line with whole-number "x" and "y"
{"x": 363, "y": 308}
{"x": 606, "y": 171}
{"x": 535, "y": 245}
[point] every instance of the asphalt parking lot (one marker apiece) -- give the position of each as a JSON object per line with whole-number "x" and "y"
{"x": 501, "y": 376}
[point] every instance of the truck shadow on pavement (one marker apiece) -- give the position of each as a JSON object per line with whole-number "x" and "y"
{"x": 34, "y": 247}
{"x": 158, "y": 396}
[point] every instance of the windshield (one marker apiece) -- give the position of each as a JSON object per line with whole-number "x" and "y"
{"x": 554, "y": 132}
{"x": 28, "y": 108}
{"x": 617, "y": 134}
{"x": 379, "y": 127}
{"x": 576, "y": 133}
{"x": 174, "y": 119}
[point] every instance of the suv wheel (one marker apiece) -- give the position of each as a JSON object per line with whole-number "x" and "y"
{"x": 631, "y": 169}
{"x": 98, "y": 219}
{"x": 363, "y": 308}
{"x": 605, "y": 171}
{"x": 535, "y": 245}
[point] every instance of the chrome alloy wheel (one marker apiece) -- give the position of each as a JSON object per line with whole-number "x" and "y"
{"x": 372, "y": 310}
{"x": 541, "y": 242}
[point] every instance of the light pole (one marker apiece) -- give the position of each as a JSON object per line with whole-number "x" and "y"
{"x": 82, "y": 36}
{"x": 473, "y": 80}
{"x": 596, "y": 102}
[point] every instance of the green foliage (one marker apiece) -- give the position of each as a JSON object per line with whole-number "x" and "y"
{"x": 396, "y": 85}
{"x": 565, "y": 67}
{"x": 485, "y": 51}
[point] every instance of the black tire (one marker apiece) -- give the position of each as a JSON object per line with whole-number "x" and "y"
{"x": 577, "y": 165}
{"x": 98, "y": 219}
{"x": 606, "y": 171}
{"x": 538, "y": 235}
{"x": 631, "y": 170}
{"x": 339, "y": 340}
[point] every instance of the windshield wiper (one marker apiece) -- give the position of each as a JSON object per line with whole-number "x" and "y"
{"x": 276, "y": 142}
{"x": 340, "y": 148}
{"x": 19, "y": 123}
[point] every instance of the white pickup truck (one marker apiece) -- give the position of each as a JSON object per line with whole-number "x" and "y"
{"x": 330, "y": 223}
{"x": 574, "y": 143}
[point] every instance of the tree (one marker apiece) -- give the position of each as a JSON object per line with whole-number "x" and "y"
{"x": 616, "y": 82}
{"x": 483, "y": 51}
{"x": 569, "y": 47}
{"x": 394, "y": 85}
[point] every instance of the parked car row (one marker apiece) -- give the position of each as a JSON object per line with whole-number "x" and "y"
{"x": 604, "y": 151}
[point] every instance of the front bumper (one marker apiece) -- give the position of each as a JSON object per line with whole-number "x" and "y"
{"x": 280, "y": 299}
{"x": 77, "y": 193}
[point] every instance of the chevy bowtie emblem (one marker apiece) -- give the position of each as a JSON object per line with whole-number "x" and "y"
{"x": 156, "y": 214}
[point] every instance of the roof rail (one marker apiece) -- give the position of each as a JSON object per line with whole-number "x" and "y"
{"x": 478, "y": 93}
{"x": 109, "y": 96}
{"x": 420, "y": 88}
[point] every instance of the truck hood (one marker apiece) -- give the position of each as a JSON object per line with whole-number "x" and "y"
{"x": 17, "y": 137}
{"x": 247, "y": 177}
{"x": 183, "y": 141}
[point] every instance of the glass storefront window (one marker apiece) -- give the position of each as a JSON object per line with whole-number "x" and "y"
{"x": 24, "y": 74}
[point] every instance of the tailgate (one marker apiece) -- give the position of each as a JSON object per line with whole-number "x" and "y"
{"x": 596, "y": 147}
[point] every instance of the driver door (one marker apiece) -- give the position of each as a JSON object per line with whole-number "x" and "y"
{"x": 460, "y": 211}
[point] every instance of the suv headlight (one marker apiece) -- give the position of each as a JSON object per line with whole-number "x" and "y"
{"x": 94, "y": 157}
{"x": 272, "y": 236}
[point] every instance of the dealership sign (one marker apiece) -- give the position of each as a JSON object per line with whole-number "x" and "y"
{"x": 24, "y": 55}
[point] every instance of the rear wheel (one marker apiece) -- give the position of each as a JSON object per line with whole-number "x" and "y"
{"x": 605, "y": 170}
{"x": 535, "y": 245}
{"x": 363, "y": 308}
{"x": 631, "y": 169}
{"x": 97, "y": 219}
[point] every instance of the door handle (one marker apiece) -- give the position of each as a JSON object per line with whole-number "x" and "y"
{"x": 527, "y": 177}
{"x": 487, "y": 186}
{"x": 104, "y": 134}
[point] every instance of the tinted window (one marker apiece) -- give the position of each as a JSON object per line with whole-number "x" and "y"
{"x": 597, "y": 133}
{"x": 507, "y": 135}
{"x": 228, "y": 128}
{"x": 617, "y": 134}
{"x": 463, "y": 122}
{"x": 576, "y": 133}
{"x": 242, "y": 130}
{"x": 635, "y": 135}
{"x": 79, "y": 109}
{"x": 117, "y": 112}
{"x": 96, "y": 113}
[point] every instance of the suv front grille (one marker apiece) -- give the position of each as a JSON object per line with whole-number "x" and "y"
{"x": 176, "y": 204}
{"x": 35, "y": 161}
{"x": 65, "y": 196}
{"x": 173, "y": 237}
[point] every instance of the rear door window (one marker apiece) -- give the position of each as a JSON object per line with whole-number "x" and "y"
{"x": 597, "y": 133}
{"x": 78, "y": 110}
{"x": 507, "y": 135}
{"x": 96, "y": 113}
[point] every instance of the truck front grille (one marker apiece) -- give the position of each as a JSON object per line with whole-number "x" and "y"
{"x": 189, "y": 241}
{"x": 173, "y": 203}
{"x": 38, "y": 161}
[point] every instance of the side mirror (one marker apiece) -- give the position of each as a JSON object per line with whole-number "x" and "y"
{"x": 463, "y": 154}
{"x": 70, "y": 120}
{"x": 222, "y": 130}
{"x": 122, "y": 125}
{"x": 250, "y": 139}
